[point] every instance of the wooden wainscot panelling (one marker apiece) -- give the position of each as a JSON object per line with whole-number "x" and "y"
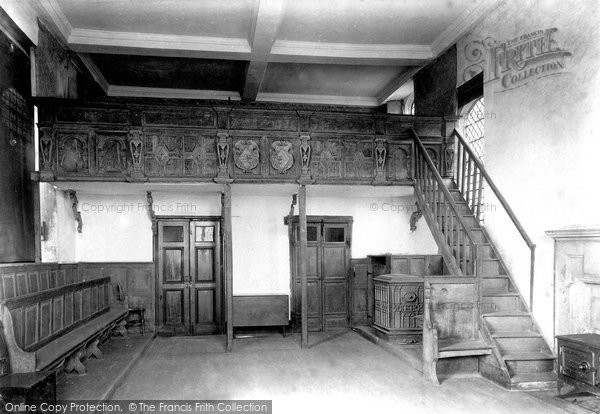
{"x": 269, "y": 144}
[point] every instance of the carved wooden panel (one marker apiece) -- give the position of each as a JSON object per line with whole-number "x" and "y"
{"x": 205, "y": 308}
{"x": 111, "y": 152}
{"x": 22, "y": 284}
{"x": 337, "y": 158}
{"x": 163, "y": 154}
{"x": 45, "y": 319}
{"x": 58, "y": 314}
{"x": 261, "y": 120}
{"x": 399, "y": 165}
{"x": 193, "y": 118}
{"x": 345, "y": 123}
{"x": 247, "y": 156}
{"x": 32, "y": 280}
{"x": 92, "y": 116}
{"x": 73, "y": 152}
{"x": 199, "y": 155}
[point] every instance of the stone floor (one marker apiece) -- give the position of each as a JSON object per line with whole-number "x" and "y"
{"x": 340, "y": 372}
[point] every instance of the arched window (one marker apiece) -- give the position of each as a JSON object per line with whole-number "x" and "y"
{"x": 474, "y": 127}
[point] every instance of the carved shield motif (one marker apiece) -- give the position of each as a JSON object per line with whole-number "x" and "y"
{"x": 246, "y": 155}
{"x": 281, "y": 156}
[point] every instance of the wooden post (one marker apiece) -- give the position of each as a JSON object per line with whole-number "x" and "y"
{"x": 228, "y": 259}
{"x": 302, "y": 264}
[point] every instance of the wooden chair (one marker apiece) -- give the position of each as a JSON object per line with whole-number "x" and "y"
{"x": 450, "y": 322}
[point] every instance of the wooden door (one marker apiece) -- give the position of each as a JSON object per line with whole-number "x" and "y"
{"x": 189, "y": 277}
{"x": 328, "y": 260}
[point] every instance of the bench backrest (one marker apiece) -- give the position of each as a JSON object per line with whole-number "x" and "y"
{"x": 20, "y": 279}
{"x": 451, "y": 304}
{"x": 40, "y": 317}
{"x": 418, "y": 265}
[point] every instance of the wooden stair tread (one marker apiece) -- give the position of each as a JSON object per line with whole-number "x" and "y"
{"x": 528, "y": 356}
{"x": 495, "y": 276}
{"x": 534, "y": 377}
{"x": 516, "y": 334}
{"x": 506, "y": 314}
{"x": 450, "y": 348}
{"x": 501, "y": 294}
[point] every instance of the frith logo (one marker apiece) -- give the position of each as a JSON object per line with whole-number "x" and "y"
{"x": 517, "y": 61}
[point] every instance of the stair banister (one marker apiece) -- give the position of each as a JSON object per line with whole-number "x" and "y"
{"x": 448, "y": 199}
{"x": 463, "y": 149}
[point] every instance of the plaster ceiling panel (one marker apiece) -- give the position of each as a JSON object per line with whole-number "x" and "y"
{"x": 337, "y": 80}
{"x": 178, "y": 73}
{"x": 218, "y": 18}
{"x": 417, "y": 22}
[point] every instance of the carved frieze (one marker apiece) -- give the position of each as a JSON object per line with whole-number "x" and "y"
{"x": 246, "y": 155}
{"x": 193, "y": 118}
{"x": 260, "y": 120}
{"x": 199, "y": 156}
{"x": 282, "y": 158}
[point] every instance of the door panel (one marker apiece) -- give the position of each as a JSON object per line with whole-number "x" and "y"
{"x": 359, "y": 277}
{"x": 173, "y": 265}
{"x": 206, "y": 280}
{"x": 189, "y": 279}
{"x": 327, "y": 264}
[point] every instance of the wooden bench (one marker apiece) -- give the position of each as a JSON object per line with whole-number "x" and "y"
{"x": 450, "y": 322}
{"x": 261, "y": 310}
{"x": 60, "y": 327}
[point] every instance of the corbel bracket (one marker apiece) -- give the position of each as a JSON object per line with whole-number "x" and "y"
{"x": 74, "y": 206}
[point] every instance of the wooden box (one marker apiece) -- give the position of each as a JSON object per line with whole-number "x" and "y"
{"x": 579, "y": 362}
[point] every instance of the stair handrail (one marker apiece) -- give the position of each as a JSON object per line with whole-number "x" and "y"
{"x": 509, "y": 211}
{"x": 449, "y": 198}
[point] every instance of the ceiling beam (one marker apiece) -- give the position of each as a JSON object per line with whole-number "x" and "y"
{"x": 94, "y": 71}
{"x": 349, "y": 53}
{"x": 462, "y": 25}
{"x": 268, "y": 16}
{"x": 395, "y": 84}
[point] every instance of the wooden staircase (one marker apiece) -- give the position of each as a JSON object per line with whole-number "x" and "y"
{"x": 521, "y": 358}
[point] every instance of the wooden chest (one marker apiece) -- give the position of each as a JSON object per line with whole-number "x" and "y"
{"x": 579, "y": 362}
{"x": 398, "y": 304}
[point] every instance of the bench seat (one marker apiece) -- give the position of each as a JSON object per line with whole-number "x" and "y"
{"x": 50, "y": 355}
{"x": 450, "y": 348}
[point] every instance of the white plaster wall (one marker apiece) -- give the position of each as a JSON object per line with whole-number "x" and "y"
{"x": 117, "y": 227}
{"x": 55, "y": 209}
{"x": 541, "y": 143}
{"x": 260, "y": 239}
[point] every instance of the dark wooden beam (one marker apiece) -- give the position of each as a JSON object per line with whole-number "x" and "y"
{"x": 302, "y": 264}
{"x": 268, "y": 15}
{"x": 228, "y": 262}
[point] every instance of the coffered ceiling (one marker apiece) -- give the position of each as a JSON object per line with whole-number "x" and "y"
{"x": 352, "y": 52}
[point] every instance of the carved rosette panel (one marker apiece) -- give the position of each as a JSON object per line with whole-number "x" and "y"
{"x": 246, "y": 156}
{"x": 73, "y": 152}
{"x": 399, "y": 164}
{"x": 199, "y": 156}
{"x": 111, "y": 153}
{"x": 163, "y": 156}
{"x": 407, "y": 305}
